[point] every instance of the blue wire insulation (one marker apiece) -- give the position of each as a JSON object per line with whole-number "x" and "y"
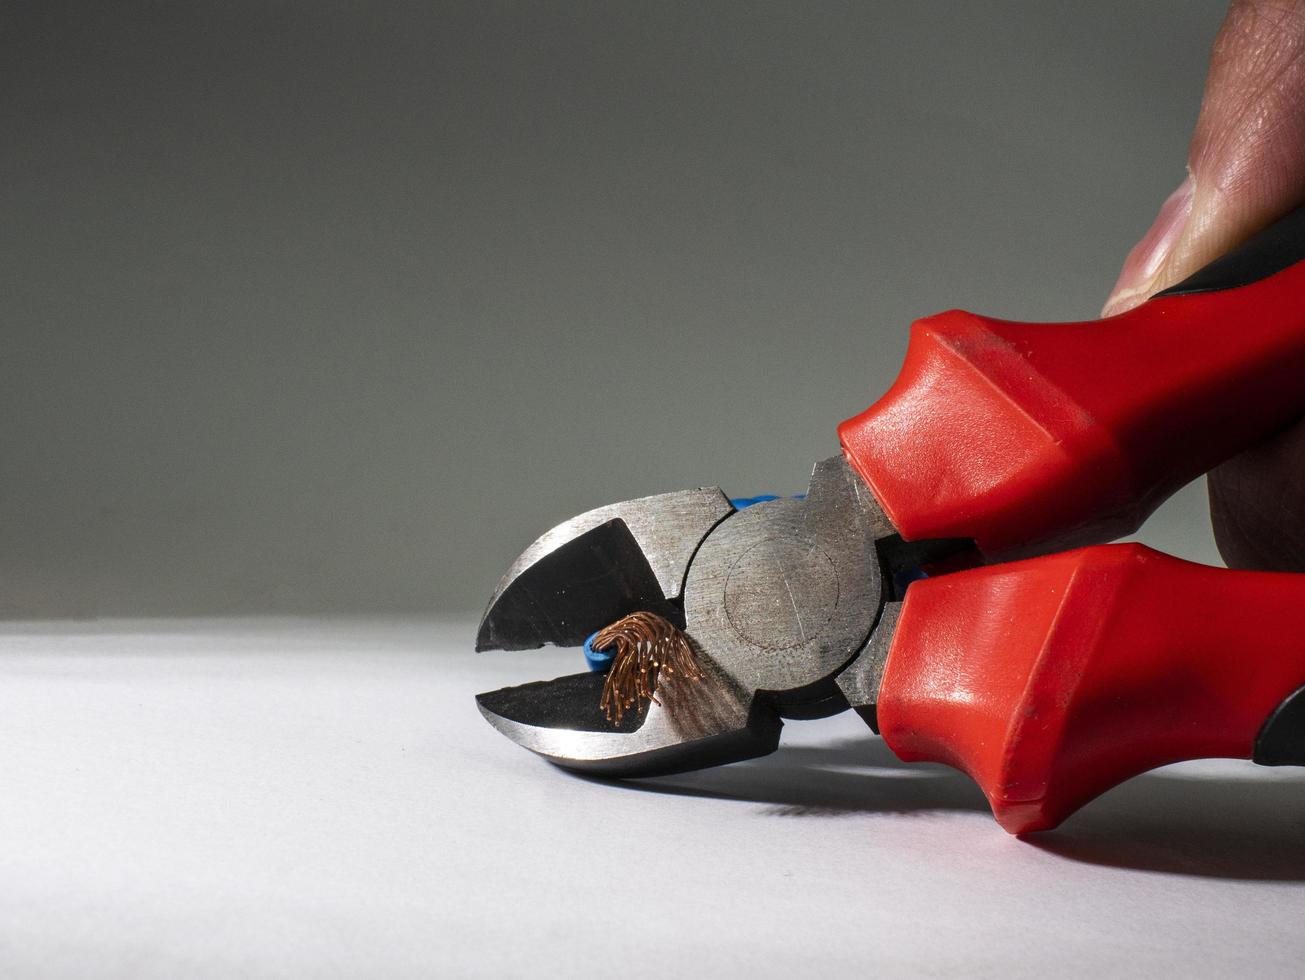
{"x": 742, "y": 502}
{"x": 598, "y": 660}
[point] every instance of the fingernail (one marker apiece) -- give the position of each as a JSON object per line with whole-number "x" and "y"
{"x": 1137, "y": 278}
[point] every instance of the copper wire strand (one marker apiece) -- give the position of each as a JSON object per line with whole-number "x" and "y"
{"x": 645, "y": 646}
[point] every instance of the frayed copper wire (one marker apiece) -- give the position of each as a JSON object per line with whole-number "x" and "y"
{"x": 646, "y": 646}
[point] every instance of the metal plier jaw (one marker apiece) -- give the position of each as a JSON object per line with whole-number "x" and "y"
{"x": 777, "y": 599}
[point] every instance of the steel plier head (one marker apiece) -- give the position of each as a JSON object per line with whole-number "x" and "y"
{"x": 778, "y": 599}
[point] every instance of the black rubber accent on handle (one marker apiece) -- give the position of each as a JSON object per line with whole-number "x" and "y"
{"x": 1275, "y": 248}
{"x": 1281, "y": 741}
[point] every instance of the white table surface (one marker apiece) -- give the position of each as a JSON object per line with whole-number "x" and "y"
{"x": 321, "y": 798}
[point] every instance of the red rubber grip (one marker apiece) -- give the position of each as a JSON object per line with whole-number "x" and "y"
{"x": 1053, "y": 679}
{"x": 1027, "y": 436}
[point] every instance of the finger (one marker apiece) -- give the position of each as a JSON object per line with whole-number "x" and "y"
{"x": 1245, "y": 167}
{"x": 1257, "y": 505}
{"x": 1246, "y": 161}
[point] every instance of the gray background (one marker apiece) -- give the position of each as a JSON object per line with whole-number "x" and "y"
{"x": 333, "y": 307}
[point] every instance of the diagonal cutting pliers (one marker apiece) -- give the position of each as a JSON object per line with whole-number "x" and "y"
{"x": 922, "y": 580}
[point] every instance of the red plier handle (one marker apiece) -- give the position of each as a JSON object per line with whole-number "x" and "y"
{"x": 1051, "y": 679}
{"x": 1030, "y": 436}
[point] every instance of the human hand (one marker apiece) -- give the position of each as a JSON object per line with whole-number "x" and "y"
{"x": 1246, "y": 167}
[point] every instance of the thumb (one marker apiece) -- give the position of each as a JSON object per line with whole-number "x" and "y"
{"x": 1246, "y": 162}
